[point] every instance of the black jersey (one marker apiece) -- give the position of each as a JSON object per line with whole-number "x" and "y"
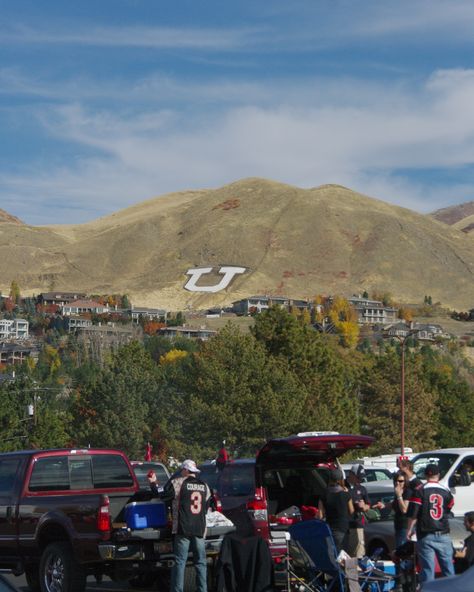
{"x": 430, "y": 505}
{"x": 358, "y": 493}
{"x": 190, "y": 498}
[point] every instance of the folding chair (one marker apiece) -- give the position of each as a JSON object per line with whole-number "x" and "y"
{"x": 313, "y": 551}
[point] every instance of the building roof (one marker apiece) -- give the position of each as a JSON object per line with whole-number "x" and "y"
{"x": 87, "y": 304}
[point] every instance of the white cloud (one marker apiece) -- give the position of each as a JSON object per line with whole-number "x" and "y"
{"x": 361, "y": 140}
{"x": 198, "y": 38}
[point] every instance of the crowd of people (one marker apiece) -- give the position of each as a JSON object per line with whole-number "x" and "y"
{"x": 420, "y": 511}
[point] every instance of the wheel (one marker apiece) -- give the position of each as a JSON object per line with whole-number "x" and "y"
{"x": 32, "y": 577}
{"x": 189, "y": 584}
{"x": 59, "y": 571}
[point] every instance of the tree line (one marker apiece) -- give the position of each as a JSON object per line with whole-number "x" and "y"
{"x": 281, "y": 378}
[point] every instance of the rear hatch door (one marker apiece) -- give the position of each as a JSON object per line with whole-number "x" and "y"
{"x": 309, "y": 449}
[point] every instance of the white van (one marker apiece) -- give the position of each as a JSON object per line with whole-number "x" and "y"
{"x": 450, "y": 461}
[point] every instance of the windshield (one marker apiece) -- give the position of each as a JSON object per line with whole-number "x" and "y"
{"x": 235, "y": 480}
{"x": 443, "y": 460}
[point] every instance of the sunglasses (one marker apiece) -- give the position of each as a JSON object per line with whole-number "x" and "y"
{"x": 400, "y": 480}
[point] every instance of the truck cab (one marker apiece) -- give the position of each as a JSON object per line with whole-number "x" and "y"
{"x": 453, "y": 463}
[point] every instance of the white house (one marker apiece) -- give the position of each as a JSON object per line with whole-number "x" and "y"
{"x": 14, "y": 329}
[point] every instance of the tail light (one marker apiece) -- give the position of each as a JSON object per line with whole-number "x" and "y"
{"x": 257, "y": 509}
{"x": 103, "y": 515}
{"x": 216, "y": 504}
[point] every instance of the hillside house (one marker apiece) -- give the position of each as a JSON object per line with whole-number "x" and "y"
{"x": 190, "y": 332}
{"x": 14, "y": 329}
{"x": 373, "y": 312}
{"x": 59, "y": 298}
{"x": 255, "y": 304}
{"x": 149, "y": 314}
{"x": 420, "y": 331}
{"x": 73, "y": 323}
{"x": 14, "y": 353}
{"x": 78, "y": 307}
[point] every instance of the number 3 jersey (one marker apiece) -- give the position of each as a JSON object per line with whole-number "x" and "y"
{"x": 189, "y": 505}
{"x": 430, "y": 505}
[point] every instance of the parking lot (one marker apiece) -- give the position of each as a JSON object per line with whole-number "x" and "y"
{"x": 92, "y": 586}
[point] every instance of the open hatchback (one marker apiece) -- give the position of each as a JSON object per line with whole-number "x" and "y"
{"x": 285, "y": 479}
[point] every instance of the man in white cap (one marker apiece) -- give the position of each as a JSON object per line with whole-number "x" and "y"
{"x": 190, "y": 499}
{"x": 360, "y": 499}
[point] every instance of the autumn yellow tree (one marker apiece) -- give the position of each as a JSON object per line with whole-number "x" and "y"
{"x": 174, "y": 355}
{"x": 406, "y": 314}
{"x": 344, "y": 319}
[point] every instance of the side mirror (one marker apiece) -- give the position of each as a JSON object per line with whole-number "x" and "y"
{"x": 453, "y": 481}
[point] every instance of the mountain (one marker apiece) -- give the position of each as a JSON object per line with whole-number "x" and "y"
{"x": 460, "y": 216}
{"x": 6, "y": 217}
{"x": 291, "y": 241}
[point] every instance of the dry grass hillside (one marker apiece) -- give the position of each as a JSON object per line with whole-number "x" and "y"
{"x": 293, "y": 242}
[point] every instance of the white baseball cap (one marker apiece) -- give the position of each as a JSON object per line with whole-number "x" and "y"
{"x": 190, "y": 466}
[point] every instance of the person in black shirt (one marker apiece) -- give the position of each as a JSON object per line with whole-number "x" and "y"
{"x": 428, "y": 513}
{"x": 190, "y": 499}
{"x": 360, "y": 499}
{"x": 467, "y": 552}
{"x": 337, "y": 508}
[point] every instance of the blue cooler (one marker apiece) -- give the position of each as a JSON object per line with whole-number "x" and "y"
{"x": 388, "y": 567}
{"x": 152, "y": 514}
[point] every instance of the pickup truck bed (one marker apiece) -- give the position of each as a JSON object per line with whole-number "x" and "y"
{"x": 62, "y": 519}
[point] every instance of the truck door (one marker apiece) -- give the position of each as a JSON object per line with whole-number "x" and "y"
{"x": 9, "y": 485}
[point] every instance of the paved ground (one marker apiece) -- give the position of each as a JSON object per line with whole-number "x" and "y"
{"x": 92, "y": 586}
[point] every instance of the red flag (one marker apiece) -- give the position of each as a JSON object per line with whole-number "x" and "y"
{"x": 148, "y": 451}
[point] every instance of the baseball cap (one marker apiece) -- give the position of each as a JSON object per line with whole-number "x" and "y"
{"x": 358, "y": 470}
{"x": 431, "y": 469}
{"x": 190, "y": 466}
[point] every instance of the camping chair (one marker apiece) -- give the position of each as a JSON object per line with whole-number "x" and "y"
{"x": 313, "y": 564}
{"x": 313, "y": 557}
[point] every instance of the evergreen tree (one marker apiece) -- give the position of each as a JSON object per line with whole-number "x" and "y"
{"x": 381, "y": 403}
{"x": 233, "y": 390}
{"x": 112, "y": 410}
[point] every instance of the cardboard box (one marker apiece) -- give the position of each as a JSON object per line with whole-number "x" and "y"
{"x": 152, "y": 514}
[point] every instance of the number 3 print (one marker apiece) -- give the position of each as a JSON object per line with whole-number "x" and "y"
{"x": 196, "y": 502}
{"x": 436, "y": 506}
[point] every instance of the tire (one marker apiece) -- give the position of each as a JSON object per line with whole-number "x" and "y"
{"x": 32, "y": 578}
{"x": 189, "y": 584}
{"x": 59, "y": 571}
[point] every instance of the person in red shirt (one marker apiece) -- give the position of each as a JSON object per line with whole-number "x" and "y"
{"x": 428, "y": 512}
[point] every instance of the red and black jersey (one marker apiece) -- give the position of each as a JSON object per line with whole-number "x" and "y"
{"x": 430, "y": 505}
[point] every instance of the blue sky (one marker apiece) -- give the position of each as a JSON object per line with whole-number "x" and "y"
{"x": 105, "y": 103}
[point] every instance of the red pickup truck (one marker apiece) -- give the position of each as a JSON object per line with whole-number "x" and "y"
{"x": 62, "y": 518}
